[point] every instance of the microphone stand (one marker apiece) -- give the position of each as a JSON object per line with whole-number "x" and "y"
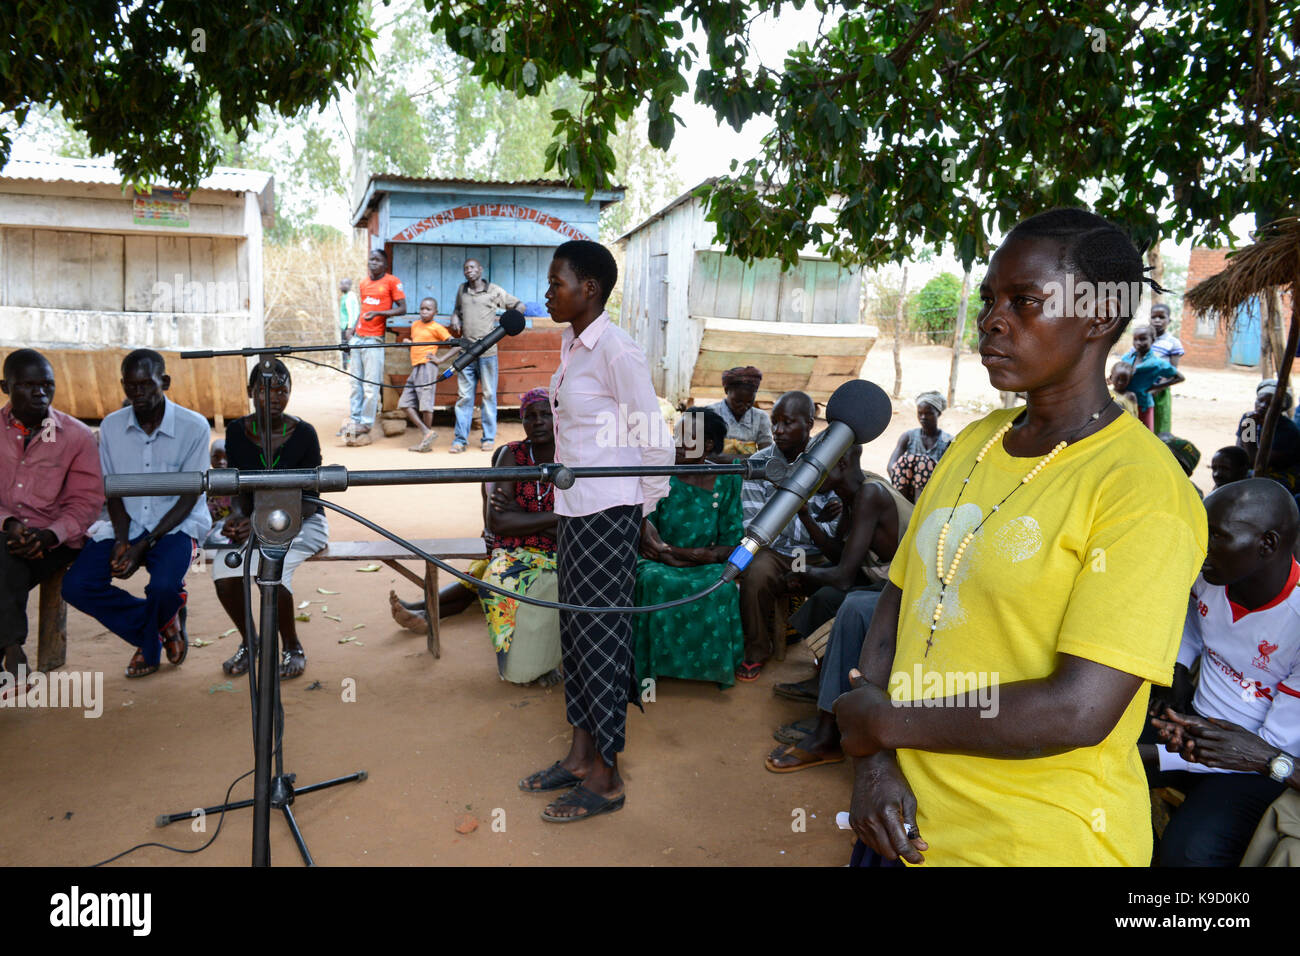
{"x": 276, "y": 520}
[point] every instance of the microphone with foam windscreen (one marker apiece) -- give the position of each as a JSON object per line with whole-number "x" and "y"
{"x": 858, "y": 412}
{"x": 512, "y": 323}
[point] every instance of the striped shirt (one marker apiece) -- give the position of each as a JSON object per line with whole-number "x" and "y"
{"x": 794, "y": 536}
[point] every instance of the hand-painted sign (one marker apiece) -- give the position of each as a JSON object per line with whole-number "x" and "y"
{"x": 490, "y": 210}
{"x": 162, "y": 207}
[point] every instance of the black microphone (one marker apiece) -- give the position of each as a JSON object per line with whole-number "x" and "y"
{"x": 512, "y": 323}
{"x": 858, "y": 412}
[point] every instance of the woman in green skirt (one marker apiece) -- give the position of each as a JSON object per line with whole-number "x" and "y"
{"x": 683, "y": 546}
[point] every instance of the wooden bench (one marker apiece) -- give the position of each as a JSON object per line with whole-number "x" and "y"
{"x": 52, "y": 626}
{"x": 391, "y": 554}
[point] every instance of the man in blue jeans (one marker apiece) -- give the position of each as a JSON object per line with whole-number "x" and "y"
{"x": 473, "y": 317}
{"x": 152, "y": 435}
{"x": 382, "y": 298}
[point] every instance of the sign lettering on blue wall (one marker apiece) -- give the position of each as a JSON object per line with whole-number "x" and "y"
{"x": 490, "y": 211}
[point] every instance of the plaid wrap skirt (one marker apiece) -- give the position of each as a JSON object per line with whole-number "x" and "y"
{"x": 597, "y": 568}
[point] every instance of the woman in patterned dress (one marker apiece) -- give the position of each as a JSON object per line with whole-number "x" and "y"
{"x": 683, "y": 545}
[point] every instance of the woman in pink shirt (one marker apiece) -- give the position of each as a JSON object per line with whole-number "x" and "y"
{"x": 606, "y": 413}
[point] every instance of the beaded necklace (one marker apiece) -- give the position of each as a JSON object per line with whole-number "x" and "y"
{"x": 946, "y": 579}
{"x": 284, "y": 430}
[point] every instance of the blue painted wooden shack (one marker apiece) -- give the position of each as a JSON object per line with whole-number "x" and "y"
{"x": 429, "y": 227}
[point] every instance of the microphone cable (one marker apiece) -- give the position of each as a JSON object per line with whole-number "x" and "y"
{"x": 475, "y": 583}
{"x": 343, "y": 371}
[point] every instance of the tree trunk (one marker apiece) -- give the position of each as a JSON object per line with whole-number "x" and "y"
{"x": 1283, "y": 379}
{"x": 1269, "y": 347}
{"x": 958, "y": 338}
{"x": 1157, "y": 263}
{"x": 361, "y": 102}
{"x": 898, "y": 337}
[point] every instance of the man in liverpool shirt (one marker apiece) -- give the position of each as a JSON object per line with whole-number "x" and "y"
{"x": 382, "y": 297}
{"x": 1243, "y": 623}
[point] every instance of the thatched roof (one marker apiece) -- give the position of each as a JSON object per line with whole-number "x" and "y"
{"x": 1272, "y": 260}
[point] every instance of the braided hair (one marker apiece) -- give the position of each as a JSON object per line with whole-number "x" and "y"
{"x": 1094, "y": 249}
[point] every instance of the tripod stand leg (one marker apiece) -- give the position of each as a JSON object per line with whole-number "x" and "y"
{"x": 268, "y": 674}
{"x": 297, "y": 835}
{"x": 326, "y": 784}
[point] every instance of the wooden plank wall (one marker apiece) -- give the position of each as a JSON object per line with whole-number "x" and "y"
{"x": 57, "y": 269}
{"x": 788, "y": 358}
{"x": 88, "y": 382}
{"x": 813, "y": 291}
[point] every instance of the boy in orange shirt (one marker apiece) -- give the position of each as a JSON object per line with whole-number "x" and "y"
{"x": 417, "y": 396}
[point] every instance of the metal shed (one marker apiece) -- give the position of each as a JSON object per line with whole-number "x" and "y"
{"x": 677, "y": 284}
{"x": 429, "y": 227}
{"x": 90, "y": 269}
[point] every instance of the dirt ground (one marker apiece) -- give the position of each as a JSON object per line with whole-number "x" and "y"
{"x": 444, "y": 738}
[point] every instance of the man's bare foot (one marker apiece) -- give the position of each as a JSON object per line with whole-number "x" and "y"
{"x": 411, "y": 620}
{"x": 550, "y": 678}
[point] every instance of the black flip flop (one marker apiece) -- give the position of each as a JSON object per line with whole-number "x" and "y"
{"x": 795, "y": 690}
{"x": 553, "y": 777}
{"x": 795, "y": 732}
{"x": 588, "y": 800}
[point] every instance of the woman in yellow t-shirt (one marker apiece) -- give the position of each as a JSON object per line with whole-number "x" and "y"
{"x": 1004, "y": 678}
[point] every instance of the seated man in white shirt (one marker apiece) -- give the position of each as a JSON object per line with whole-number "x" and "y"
{"x": 1243, "y": 623}
{"x": 156, "y": 436}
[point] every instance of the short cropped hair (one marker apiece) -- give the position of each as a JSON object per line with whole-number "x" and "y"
{"x": 21, "y": 359}
{"x": 590, "y": 260}
{"x": 711, "y": 423}
{"x": 153, "y": 362}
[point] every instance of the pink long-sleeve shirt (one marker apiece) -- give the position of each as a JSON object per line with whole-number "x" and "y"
{"x": 607, "y": 413}
{"x": 54, "y": 481}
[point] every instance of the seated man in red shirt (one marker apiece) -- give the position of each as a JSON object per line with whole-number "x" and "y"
{"x": 51, "y": 491}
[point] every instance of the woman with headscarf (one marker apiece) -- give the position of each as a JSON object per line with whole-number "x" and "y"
{"x": 520, "y": 537}
{"x": 1001, "y": 695}
{"x": 749, "y": 428}
{"x": 919, "y": 450}
{"x": 519, "y": 533}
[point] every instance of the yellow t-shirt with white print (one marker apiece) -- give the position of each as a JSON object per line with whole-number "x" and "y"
{"x": 1095, "y": 558}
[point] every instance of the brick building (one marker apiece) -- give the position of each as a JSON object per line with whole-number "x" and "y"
{"x": 1208, "y": 344}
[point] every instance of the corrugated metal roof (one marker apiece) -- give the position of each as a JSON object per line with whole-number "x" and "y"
{"x": 684, "y": 197}
{"x": 370, "y": 196}
{"x": 101, "y": 170}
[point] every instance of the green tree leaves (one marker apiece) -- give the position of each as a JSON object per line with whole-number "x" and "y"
{"x": 155, "y": 84}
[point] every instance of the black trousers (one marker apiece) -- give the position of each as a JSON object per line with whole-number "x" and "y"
{"x": 17, "y": 578}
{"x": 1214, "y": 825}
